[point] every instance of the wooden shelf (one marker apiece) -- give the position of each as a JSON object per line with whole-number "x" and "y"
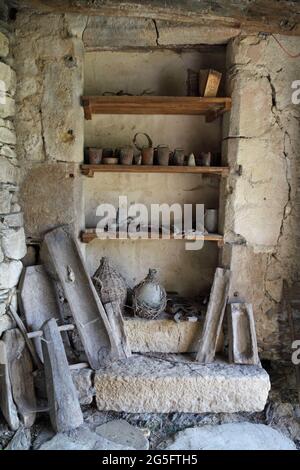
{"x": 89, "y": 170}
{"x": 89, "y": 235}
{"x": 212, "y": 108}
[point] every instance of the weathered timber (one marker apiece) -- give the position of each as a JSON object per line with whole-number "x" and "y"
{"x": 241, "y": 334}
{"x": 37, "y": 301}
{"x": 214, "y": 317}
{"x": 64, "y": 409}
{"x": 19, "y": 322}
{"x": 7, "y": 404}
{"x": 64, "y": 262}
{"x": 20, "y": 374}
{"x": 209, "y": 82}
{"x": 160, "y": 105}
{"x": 272, "y": 16}
{"x": 89, "y": 170}
{"x": 119, "y": 339}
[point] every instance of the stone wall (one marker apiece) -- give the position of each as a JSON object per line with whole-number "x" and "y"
{"x": 12, "y": 238}
{"x": 49, "y": 124}
{"x": 261, "y": 143}
{"x": 262, "y": 215}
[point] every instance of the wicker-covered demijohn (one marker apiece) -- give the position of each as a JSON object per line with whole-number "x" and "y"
{"x": 149, "y": 297}
{"x": 109, "y": 284}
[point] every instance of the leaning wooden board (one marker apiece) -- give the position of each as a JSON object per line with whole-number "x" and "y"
{"x": 38, "y": 300}
{"x": 214, "y": 316}
{"x": 64, "y": 262}
{"x": 21, "y": 375}
{"x": 7, "y": 404}
{"x": 242, "y": 340}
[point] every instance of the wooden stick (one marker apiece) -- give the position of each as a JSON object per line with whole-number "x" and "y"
{"x": 39, "y": 333}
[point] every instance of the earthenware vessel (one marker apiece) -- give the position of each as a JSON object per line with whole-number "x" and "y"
{"x": 178, "y": 157}
{"x": 211, "y": 220}
{"x": 126, "y": 155}
{"x": 163, "y": 155}
{"x": 95, "y": 156}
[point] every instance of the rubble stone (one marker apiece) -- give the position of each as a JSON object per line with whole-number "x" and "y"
{"x": 13, "y": 243}
{"x": 8, "y": 76}
{"x": 9, "y": 274}
{"x": 123, "y": 433}
{"x": 233, "y": 436}
{"x": 4, "y": 45}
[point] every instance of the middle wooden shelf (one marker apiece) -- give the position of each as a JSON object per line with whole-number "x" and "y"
{"x": 90, "y": 234}
{"x": 89, "y": 170}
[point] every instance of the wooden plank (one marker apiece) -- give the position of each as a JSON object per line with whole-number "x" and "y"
{"x": 64, "y": 262}
{"x": 209, "y": 82}
{"x": 89, "y": 235}
{"x": 21, "y": 375}
{"x": 64, "y": 408}
{"x": 280, "y": 16}
{"x": 89, "y": 170}
{"x": 38, "y": 301}
{"x": 120, "y": 342}
{"x": 214, "y": 317}
{"x": 160, "y": 105}
{"x": 242, "y": 340}
{"x": 7, "y": 404}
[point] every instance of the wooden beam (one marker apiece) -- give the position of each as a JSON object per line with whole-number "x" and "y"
{"x": 270, "y": 16}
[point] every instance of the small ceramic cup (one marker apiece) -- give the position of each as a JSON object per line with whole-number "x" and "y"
{"x": 95, "y": 156}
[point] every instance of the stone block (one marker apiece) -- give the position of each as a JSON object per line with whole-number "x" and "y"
{"x": 114, "y": 32}
{"x": 231, "y": 436}
{"x": 63, "y": 85}
{"x": 4, "y": 45}
{"x": 5, "y": 201}
{"x": 251, "y": 97}
{"x": 7, "y": 135}
{"x": 50, "y": 196}
{"x": 123, "y": 433}
{"x": 7, "y": 109}
{"x": 8, "y": 76}
{"x": 82, "y": 379}
{"x": 164, "y": 335}
{"x": 13, "y": 243}
{"x": 9, "y": 274}
{"x": 190, "y": 34}
{"x": 13, "y": 220}
{"x": 174, "y": 383}
{"x": 7, "y": 151}
{"x": 9, "y": 173}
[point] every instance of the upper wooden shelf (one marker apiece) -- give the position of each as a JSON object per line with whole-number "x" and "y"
{"x": 189, "y": 105}
{"x": 89, "y": 170}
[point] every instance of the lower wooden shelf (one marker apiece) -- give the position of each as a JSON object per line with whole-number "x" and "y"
{"x": 88, "y": 235}
{"x": 89, "y": 170}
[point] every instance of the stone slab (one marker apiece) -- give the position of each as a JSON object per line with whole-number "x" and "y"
{"x": 164, "y": 335}
{"x": 122, "y": 433}
{"x": 232, "y": 436}
{"x": 175, "y": 383}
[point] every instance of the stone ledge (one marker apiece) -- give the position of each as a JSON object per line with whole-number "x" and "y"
{"x": 164, "y": 335}
{"x": 174, "y": 383}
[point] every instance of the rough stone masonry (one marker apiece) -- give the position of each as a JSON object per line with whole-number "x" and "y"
{"x": 12, "y": 237}
{"x": 260, "y": 143}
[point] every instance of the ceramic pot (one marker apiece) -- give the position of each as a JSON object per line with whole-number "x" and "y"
{"x": 95, "y": 156}
{"x": 211, "y": 220}
{"x": 178, "y": 157}
{"x": 163, "y": 155}
{"x": 126, "y": 155}
{"x": 147, "y": 155}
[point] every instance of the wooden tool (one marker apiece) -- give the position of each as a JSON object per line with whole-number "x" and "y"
{"x": 242, "y": 345}
{"x": 214, "y": 316}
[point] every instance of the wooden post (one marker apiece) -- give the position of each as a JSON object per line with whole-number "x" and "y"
{"x": 64, "y": 408}
{"x": 7, "y": 405}
{"x": 214, "y": 316}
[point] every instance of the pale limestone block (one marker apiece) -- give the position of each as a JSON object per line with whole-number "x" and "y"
{"x": 175, "y": 383}
{"x": 9, "y": 274}
{"x": 13, "y": 243}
